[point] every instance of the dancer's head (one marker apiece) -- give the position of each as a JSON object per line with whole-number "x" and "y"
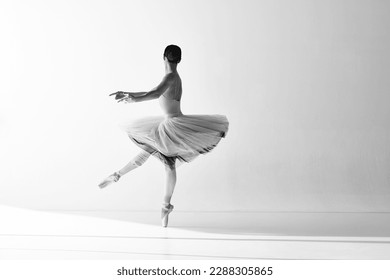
{"x": 172, "y": 53}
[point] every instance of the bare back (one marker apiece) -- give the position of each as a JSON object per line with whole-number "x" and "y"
{"x": 170, "y": 99}
{"x": 175, "y": 90}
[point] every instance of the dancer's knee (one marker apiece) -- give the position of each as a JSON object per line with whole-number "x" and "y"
{"x": 141, "y": 158}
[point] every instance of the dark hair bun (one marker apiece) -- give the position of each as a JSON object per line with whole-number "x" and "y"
{"x": 173, "y": 53}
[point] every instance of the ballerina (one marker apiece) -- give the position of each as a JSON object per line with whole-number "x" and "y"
{"x": 172, "y": 136}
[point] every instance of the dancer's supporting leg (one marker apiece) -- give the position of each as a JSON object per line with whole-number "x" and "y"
{"x": 137, "y": 161}
{"x": 169, "y": 188}
{"x": 169, "y": 184}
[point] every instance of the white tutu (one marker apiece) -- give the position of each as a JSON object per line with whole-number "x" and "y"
{"x": 181, "y": 137}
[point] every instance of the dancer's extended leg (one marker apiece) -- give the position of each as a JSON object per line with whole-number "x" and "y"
{"x": 137, "y": 161}
{"x": 169, "y": 188}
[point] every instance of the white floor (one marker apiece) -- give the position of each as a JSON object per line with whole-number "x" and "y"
{"x": 31, "y": 234}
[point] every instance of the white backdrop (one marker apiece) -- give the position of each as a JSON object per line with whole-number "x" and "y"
{"x": 303, "y": 83}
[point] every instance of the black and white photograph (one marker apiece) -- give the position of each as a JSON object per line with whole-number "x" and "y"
{"x": 220, "y": 130}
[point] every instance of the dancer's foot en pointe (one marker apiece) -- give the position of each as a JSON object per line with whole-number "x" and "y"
{"x": 110, "y": 179}
{"x": 166, "y": 209}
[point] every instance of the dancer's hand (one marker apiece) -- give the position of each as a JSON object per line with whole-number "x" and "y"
{"x": 129, "y": 99}
{"x": 119, "y": 95}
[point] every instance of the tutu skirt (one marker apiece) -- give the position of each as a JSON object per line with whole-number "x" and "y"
{"x": 182, "y": 137}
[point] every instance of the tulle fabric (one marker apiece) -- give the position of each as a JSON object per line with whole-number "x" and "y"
{"x": 181, "y": 137}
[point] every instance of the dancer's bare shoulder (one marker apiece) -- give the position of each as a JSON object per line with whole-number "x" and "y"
{"x": 164, "y": 85}
{"x": 172, "y": 77}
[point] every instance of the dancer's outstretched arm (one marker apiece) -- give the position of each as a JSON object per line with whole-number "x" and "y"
{"x": 141, "y": 93}
{"x": 154, "y": 93}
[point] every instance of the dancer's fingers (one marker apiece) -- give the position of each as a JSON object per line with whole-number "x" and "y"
{"x": 116, "y": 93}
{"x": 120, "y": 96}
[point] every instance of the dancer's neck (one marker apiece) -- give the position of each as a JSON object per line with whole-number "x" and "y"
{"x": 170, "y": 67}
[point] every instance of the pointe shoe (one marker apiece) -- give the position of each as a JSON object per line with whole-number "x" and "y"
{"x": 166, "y": 209}
{"x": 110, "y": 179}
